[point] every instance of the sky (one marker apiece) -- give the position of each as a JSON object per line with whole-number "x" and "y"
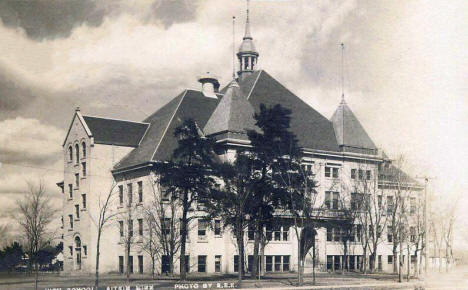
{"x": 405, "y": 72}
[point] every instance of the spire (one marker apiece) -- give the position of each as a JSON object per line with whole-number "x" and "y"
{"x": 247, "y": 54}
{"x": 342, "y": 74}
{"x": 247, "y": 34}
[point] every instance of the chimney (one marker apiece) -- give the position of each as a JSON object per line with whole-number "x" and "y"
{"x": 210, "y": 85}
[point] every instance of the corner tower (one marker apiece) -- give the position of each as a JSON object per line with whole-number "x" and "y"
{"x": 247, "y": 54}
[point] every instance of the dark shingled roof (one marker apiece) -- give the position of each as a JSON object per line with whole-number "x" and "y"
{"x": 233, "y": 116}
{"x": 348, "y": 129}
{"x": 312, "y": 130}
{"x": 159, "y": 142}
{"x": 391, "y": 174}
{"x": 115, "y": 132}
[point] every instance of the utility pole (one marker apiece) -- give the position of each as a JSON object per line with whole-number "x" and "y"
{"x": 426, "y": 222}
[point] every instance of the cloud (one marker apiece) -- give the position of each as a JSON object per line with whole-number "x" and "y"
{"x": 28, "y": 141}
{"x": 50, "y": 19}
{"x": 169, "y": 12}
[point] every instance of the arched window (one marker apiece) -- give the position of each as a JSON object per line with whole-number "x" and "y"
{"x": 70, "y": 153}
{"x": 83, "y": 149}
{"x": 77, "y": 153}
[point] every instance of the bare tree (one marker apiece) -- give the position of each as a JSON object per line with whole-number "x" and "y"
{"x": 104, "y": 218}
{"x": 34, "y": 216}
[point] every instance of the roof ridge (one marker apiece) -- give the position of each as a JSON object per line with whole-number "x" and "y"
{"x": 115, "y": 119}
{"x": 169, "y": 124}
{"x": 253, "y": 85}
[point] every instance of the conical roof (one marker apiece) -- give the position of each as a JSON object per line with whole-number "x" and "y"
{"x": 234, "y": 114}
{"x": 348, "y": 130}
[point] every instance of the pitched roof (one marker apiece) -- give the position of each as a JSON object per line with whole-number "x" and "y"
{"x": 115, "y": 132}
{"x": 312, "y": 129}
{"x": 389, "y": 173}
{"x": 233, "y": 115}
{"x": 349, "y": 131}
{"x": 159, "y": 142}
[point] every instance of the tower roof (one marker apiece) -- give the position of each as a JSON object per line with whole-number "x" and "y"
{"x": 233, "y": 114}
{"x": 247, "y": 44}
{"x": 348, "y": 130}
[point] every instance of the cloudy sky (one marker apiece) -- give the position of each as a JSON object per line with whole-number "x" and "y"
{"x": 405, "y": 72}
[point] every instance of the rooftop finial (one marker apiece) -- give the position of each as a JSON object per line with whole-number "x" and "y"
{"x": 233, "y": 47}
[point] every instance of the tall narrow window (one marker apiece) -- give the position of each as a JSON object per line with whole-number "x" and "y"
{"x": 130, "y": 263}
{"x": 77, "y": 211}
{"x": 130, "y": 228}
{"x": 140, "y": 264}
{"x": 77, "y": 153}
{"x": 121, "y": 228}
{"x": 83, "y": 169}
{"x": 361, "y": 174}
{"x": 217, "y": 263}
{"x": 217, "y": 228}
{"x": 327, "y": 171}
{"x": 202, "y": 264}
{"x": 328, "y": 197}
{"x": 335, "y": 172}
{"x": 389, "y": 205}
{"x": 70, "y": 219}
{"x": 83, "y": 149}
{"x": 202, "y": 226}
{"x": 70, "y": 190}
{"x": 336, "y": 197}
{"x": 166, "y": 226}
{"x": 121, "y": 194}
{"x": 83, "y": 200}
{"x": 251, "y": 232}
{"x": 353, "y": 173}
{"x": 121, "y": 264}
{"x": 77, "y": 180}
{"x": 368, "y": 174}
{"x": 329, "y": 234}
{"x": 140, "y": 191}
{"x": 140, "y": 227}
{"x": 285, "y": 263}
{"x": 70, "y": 154}
{"x": 130, "y": 193}
{"x": 389, "y": 234}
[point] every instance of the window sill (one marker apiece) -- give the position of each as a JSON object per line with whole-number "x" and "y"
{"x": 84, "y": 177}
{"x": 70, "y": 230}
{"x": 218, "y": 236}
{"x": 83, "y": 209}
{"x": 69, "y": 198}
{"x": 76, "y": 188}
{"x": 205, "y": 240}
{"x": 77, "y": 220}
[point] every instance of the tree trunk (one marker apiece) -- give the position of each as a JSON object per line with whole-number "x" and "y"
{"x": 256, "y": 248}
{"x": 416, "y": 262}
{"x": 345, "y": 256}
{"x": 128, "y": 260}
{"x": 299, "y": 262}
{"x": 36, "y": 275}
{"x": 395, "y": 257}
{"x": 96, "y": 282}
{"x": 240, "y": 246}
{"x": 183, "y": 274}
{"x": 408, "y": 263}
{"x": 364, "y": 260}
{"x": 314, "y": 258}
{"x": 400, "y": 264}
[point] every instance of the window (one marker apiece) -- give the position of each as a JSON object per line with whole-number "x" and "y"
{"x": 389, "y": 205}
{"x": 389, "y": 259}
{"x": 285, "y": 263}
{"x": 277, "y": 232}
{"x": 130, "y": 193}
{"x": 329, "y": 262}
{"x": 335, "y": 172}
{"x": 85, "y": 250}
{"x": 217, "y": 228}
{"x": 353, "y": 173}
{"x": 379, "y": 201}
{"x": 277, "y": 263}
{"x": 412, "y": 234}
{"x": 217, "y": 264}
{"x": 70, "y": 219}
{"x": 77, "y": 153}
{"x": 187, "y": 263}
{"x": 62, "y": 222}
{"x": 328, "y": 199}
{"x": 140, "y": 264}
{"x": 412, "y": 206}
{"x": 361, "y": 174}
{"x": 83, "y": 169}
{"x": 358, "y": 233}
{"x": 121, "y": 228}
{"x": 202, "y": 226}
{"x": 329, "y": 234}
{"x": 70, "y": 154}
{"x": 83, "y": 149}
{"x": 121, "y": 264}
{"x": 166, "y": 226}
{"x": 336, "y": 234}
{"x": 130, "y": 263}
{"x": 164, "y": 195}
{"x": 201, "y": 264}
{"x": 165, "y": 264}
{"x": 77, "y": 211}
{"x": 140, "y": 191}
{"x": 236, "y": 263}
{"x": 269, "y": 263}
{"x": 368, "y": 174}
{"x": 413, "y": 259}
{"x": 389, "y": 234}
{"x": 285, "y": 233}
{"x": 269, "y": 233}
{"x": 70, "y": 249}
{"x": 379, "y": 262}
{"x": 336, "y": 196}
{"x": 83, "y": 200}
{"x": 77, "y": 180}
{"x": 121, "y": 194}
{"x": 327, "y": 171}
{"x": 130, "y": 228}
{"x": 140, "y": 227}
{"x": 251, "y": 233}
{"x": 307, "y": 169}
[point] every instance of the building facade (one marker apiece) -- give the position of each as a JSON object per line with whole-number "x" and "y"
{"x": 109, "y": 162}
